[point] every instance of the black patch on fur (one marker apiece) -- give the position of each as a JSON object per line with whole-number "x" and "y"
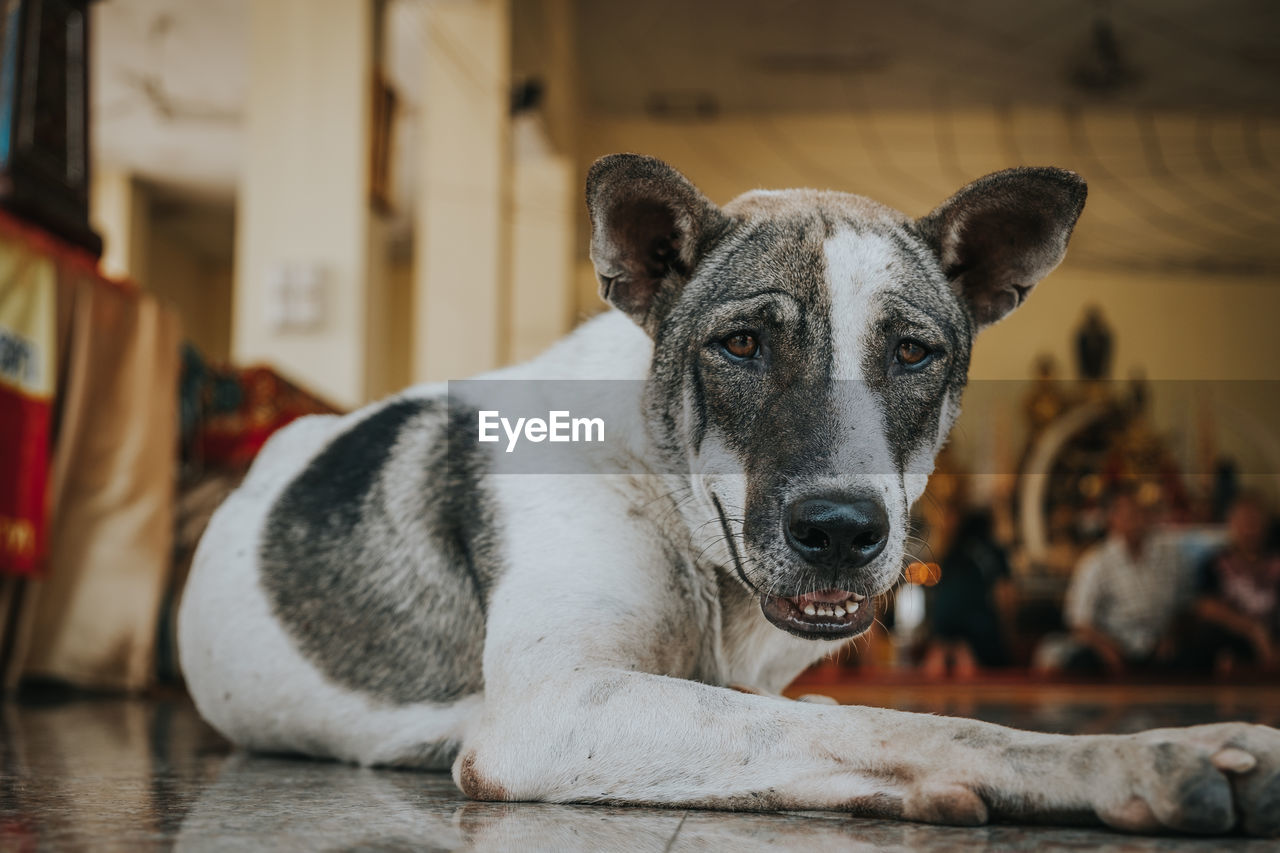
{"x": 377, "y": 559}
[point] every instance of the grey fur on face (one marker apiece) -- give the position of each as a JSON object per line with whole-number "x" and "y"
{"x": 811, "y": 277}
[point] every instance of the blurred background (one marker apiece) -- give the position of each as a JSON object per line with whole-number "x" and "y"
{"x": 224, "y": 214}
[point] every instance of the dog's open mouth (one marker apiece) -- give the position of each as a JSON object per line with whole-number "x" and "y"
{"x": 830, "y": 614}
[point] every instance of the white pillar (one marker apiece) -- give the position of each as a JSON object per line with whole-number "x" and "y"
{"x": 462, "y": 256}
{"x": 303, "y": 200}
{"x": 547, "y": 207}
{"x": 544, "y": 208}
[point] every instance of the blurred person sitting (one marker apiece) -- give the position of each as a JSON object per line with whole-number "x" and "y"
{"x": 968, "y": 602}
{"x": 1124, "y": 596}
{"x": 1237, "y": 604}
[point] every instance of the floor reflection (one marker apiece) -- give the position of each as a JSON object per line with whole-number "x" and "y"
{"x": 139, "y": 774}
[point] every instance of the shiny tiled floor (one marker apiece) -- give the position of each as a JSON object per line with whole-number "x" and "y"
{"x": 108, "y": 774}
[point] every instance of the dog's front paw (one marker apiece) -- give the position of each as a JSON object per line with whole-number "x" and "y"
{"x": 1205, "y": 779}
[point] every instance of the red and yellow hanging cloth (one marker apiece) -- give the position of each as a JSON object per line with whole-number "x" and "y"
{"x": 28, "y": 333}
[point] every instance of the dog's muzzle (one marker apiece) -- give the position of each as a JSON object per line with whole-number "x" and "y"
{"x": 830, "y": 614}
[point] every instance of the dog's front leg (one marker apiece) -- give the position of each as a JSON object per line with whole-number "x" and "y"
{"x": 623, "y": 736}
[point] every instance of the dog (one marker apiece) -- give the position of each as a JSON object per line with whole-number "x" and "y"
{"x": 378, "y": 592}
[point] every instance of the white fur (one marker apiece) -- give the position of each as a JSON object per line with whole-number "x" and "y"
{"x": 856, "y": 264}
{"x": 856, "y": 280}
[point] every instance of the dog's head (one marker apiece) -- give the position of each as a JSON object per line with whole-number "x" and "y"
{"x": 810, "y": 349}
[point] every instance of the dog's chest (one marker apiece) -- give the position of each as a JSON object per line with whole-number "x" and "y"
{"x": 754, "y": 653}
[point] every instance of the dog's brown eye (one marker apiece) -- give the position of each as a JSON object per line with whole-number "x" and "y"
{"x": 741, "y": 345}
{"x": 911, "y": 352}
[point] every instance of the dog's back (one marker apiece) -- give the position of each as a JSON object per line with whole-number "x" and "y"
{"x": 333, "y": 582}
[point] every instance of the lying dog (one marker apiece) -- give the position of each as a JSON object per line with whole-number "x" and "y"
{"x": 376, "y": 592}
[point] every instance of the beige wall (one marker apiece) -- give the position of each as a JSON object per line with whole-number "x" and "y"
{"x": 1202, "y": 341}
{"x": 1170, "y": 326}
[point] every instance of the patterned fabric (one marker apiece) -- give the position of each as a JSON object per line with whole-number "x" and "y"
{"x": 229, "y": 413}
{"x": 91, "y": 620}
{"x": 28, "y": 334}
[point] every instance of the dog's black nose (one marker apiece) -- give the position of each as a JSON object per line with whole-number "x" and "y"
{"x": 836, "y": 533}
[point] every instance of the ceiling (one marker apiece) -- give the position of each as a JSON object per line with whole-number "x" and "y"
{"x": 768, "y": 55}
{"x": 169, "y": 76}
{"x": 168, "y": 86}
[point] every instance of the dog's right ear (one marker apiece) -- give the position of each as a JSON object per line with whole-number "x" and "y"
{"x": 1003, "y": 233}
{"x": 649, "y": 229}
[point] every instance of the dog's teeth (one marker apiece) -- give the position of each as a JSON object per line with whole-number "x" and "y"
{"x": 810, "y": 610}
{"x": 851, "y": 607}
{"x": 853, "y": 596}
{"x": 839, "y": 610}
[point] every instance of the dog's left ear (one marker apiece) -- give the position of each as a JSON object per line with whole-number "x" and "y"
{"x": 1001, "y": 234}
{"x": 649, "y": 229}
